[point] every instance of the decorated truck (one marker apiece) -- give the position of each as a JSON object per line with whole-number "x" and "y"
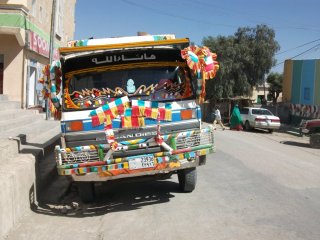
{"x": 129, "y": 108}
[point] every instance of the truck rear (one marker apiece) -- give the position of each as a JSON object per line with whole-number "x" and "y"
{"x": 129, "y": 110}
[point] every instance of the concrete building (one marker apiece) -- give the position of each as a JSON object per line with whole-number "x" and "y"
{"x": 301, "y": 88}
{"x": 260, "y": 92}
{"x": 301, "y": 82}
{"x": 25, "y": 44}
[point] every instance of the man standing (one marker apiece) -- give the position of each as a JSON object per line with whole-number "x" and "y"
{"x": 217, "y": 118}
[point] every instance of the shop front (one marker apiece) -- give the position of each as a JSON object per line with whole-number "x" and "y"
{"x": 37, "y": 57}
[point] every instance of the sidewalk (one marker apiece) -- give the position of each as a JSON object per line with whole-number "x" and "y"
{"x": 25, "y": 171}
{"x": 290, "y": 129}
{"x": 284, "y": 128}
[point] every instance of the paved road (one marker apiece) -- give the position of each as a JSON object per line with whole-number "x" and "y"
{"x": 256, "y": 186}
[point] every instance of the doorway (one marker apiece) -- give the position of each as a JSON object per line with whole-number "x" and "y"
{"x": 32, "y": 87}
{"x": 1, "y": 73}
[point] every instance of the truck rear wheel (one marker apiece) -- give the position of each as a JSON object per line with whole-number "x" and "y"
{"x": 202, "y": 160}
{"x": 86, "y": 191}
{"x": 187, "y": 179}
{"x": 315, "y": 140}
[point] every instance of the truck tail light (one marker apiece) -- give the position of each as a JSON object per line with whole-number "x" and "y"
{"x": 75, "y": 126}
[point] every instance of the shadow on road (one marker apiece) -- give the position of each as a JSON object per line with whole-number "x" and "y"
{"x": 112, "y": 197}
{"x": 297, "y": 144}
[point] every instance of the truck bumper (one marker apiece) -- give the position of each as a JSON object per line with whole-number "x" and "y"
{"x": 105, "y": 176}
{"x": 87, "y": 164}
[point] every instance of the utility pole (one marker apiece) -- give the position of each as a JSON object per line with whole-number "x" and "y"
{"x": 51, "y": 51}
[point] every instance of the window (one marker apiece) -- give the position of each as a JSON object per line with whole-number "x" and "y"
{"x": 1, "y": 73}
{"x": 59, "y": 18}
{"x": 153, "y": 83}
{"x": 40, "y": 14}
{"x": 33, "y": 8}
{"x": 306, "y": 94}
{"x": 167, "y": 79}
{"x": 259, "y": 98}
{"x": 261, "y": 112}
{"x": 244, "y": 111}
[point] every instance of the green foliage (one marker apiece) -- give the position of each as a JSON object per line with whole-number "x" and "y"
{"x": 244, "y": 60}
{"x": 275, "y": 85}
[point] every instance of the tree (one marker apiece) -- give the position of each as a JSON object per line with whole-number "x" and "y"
{"x": 275, "y": 81}
{"x": 244, "y": 60}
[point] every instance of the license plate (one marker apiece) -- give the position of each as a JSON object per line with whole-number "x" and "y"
{"x": 141, "y": 162}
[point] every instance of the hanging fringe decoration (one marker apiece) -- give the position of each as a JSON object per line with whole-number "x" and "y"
{"x": 104, "y": 115}
{"x": 51, "y": 81}
{"x": 203, "y": 64}
{"x": 153, "y": 110}
{"x": 130, "y": 118}
{"x": 159, "y": 139}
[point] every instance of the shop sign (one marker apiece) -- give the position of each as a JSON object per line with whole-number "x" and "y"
{"x": 40, "y": 45}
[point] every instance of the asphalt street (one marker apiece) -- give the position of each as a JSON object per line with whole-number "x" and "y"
{"x": 256, "y": 186}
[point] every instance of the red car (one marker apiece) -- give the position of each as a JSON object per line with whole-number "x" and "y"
{"x": 312, "y": 129}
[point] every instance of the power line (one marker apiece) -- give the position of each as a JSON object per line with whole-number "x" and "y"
{"x": 298, "y": 46}
{"x": 314, "y": 47}
{"x": 229, "y": 11}
{"x": 176, "y": 16}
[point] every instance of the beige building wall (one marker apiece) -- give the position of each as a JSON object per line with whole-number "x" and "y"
{"x": 13, "y": 66}
{"x": 259, "y": 91}
{"x": 20, "y": 2}
{"x": 69, "y": 22}
{"x": 40, "y": 14}
{"x": 262, "y": 91}
{"x": 19, "y": 58}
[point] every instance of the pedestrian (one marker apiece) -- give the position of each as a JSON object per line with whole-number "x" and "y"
{"x": 263, "y": 102}
{"x": 236, "y": 119}
{"x": 217, "y": 119}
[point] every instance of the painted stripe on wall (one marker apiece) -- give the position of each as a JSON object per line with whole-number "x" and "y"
{"x": 296, "y": 81}
{"x": 15, "y": 20}
{"x": 317, "y": 84}
{"x": 307, "y": 82}
{"x": 287, "y": 81}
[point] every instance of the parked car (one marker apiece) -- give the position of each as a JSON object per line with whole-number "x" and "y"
{"x": 259, "y": 118}
{"x": 311, "y": 128}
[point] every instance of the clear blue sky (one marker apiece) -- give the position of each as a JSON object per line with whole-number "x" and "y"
{"x": 296, "y": 22}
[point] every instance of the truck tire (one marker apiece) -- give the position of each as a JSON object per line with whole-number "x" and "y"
{"x": 202, "y": 160}
{"x": 315, "y": 140}
{"x": 86, "y": 191}
{"x": 187, "y": 179}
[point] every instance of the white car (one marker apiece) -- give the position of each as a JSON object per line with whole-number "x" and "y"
{"x": 259, "y": 118}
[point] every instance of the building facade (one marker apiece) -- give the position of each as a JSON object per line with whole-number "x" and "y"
{"x": 301, "y": 87}
{"x": 25, "y": 27}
